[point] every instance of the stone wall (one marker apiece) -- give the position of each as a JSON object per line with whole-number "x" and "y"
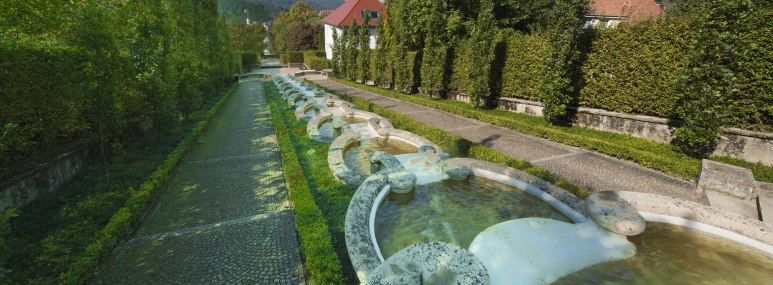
{"x": 44, "y": 178}
{"x": 747, "y": 145}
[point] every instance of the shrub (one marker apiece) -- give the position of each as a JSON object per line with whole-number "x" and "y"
{"x": 315, "y": 60}
{"x": 5, "y": 232}
{"x": 525, "y": 58}
{"x": 710, "y": 84}
{"x": 406, "y": 76}
{"x": 305, "y": 36}
{"x": 291, "y": 57}
{"x": 434, "y": 75}
{"x": 250, "y": 58}
{"x": 633, "y": 68}
{"x": 460, "y": 76}
{"x": 42, "y": 96}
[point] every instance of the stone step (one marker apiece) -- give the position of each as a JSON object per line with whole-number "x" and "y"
{"x": 729, "y": 187}
{"x": 765, "y": 201}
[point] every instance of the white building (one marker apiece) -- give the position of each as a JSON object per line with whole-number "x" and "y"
{"x": 343, "y": 16}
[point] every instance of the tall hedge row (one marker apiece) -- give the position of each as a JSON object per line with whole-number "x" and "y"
{"x": 634, "y": 68}
{"x": 100, "y": 69}
{"x": 315, "y": 60}
{"x": 460, "y": 78}
{"x": 41, "y": 89}
{"x": 525, "y": 58}
{"x": 291, "y": 57}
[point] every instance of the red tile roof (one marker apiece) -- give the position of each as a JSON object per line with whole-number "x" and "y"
{"x": 634, "y": 10}
{"x": 352, "y": 9}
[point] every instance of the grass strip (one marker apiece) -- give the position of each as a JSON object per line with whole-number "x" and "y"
{"x": 121, "y": 223}
{"x": 647, "y": 153}
{"x": 460, "y": 147}
{"x": 321, "y": 259}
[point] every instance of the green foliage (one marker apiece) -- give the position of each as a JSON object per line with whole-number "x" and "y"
{"x": 381, "y": 71}
{"x": 434, "y": 68}
{"x": 5, "y": 232}
{"x": 336, "y": 48}
{"x": 557, "y": 88}
{"x": 363, "y": 57}
{"x": 353, "y": 51}
{"x": 305, "y": 36}
{"x": 480, "y": 62}
{"x": 632, "y": 68}
{"x": 121, "y": 223}
{"x": 285, "y": 25}
{"x": 31, "y": 124}
{"x": 460, "y": 77}
{"x": 291, "y": 57}
{"x": 116, "y": 63}
{"x": 247, "y": 37}
{"x": 526, "y": 55}
{"x": 709, "y": 83}
{"x": 751, "y": 107}
{"x": 316, "y": 242}
{"x": 315, "y": 60}
{"x": 250, "y": 58}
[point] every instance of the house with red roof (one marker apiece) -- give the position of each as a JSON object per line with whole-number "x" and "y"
{"x": 608, "y": 13}
{"x": 351, "y": 10}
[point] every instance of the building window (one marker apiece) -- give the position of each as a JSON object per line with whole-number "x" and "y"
{"x": 373, "y": 14}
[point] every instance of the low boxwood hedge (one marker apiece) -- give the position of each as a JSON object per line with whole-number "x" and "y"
{"x": 305, "y": 179}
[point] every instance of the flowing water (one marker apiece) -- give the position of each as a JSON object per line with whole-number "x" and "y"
{"x": 326, "y": 128}
{"x": 356, "y": 157}
{"x": 669, "y": 254}
{"x": 453, "y": 212}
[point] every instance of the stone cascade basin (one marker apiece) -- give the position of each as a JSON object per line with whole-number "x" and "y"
{"x": 420, "y": 217}
{"x": 357, "y": 153}
{"x": 332, "y": 121}
{"x": 538, "y": 250}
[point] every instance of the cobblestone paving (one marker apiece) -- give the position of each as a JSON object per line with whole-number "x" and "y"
{"x": 220, "y": 220}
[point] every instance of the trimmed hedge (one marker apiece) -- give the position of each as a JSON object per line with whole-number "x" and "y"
{"x": 291, "y": 57}
{"x": 42, "y": 96}
{"x": 250, "y": 58}
{"x": 434, "y": 68}
{"x": 460, "y": 76}
{"x": 408, "y": 70}
{"x": 525, "y": 58}
{"x": 315, "y": 60}
{"x": 633, "y": 68}
{"x": 321, "y": 260}
{"x": 122, "y": 222}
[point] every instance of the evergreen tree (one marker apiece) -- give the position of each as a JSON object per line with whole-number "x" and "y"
{"x": 482, "y": 36}
{"x": 344, "y": 51}
{"x": 363, "y": 58}
{"x": 557, "y": 86}
{"x": 353, "y": 45}
{"x": 379, "y": 58}
{"x": 336, "y": 52}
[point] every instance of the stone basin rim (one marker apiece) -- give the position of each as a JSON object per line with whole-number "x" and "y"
{"x": 478, "y": 172}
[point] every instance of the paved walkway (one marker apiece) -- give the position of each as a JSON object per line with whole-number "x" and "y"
{"x": 222, "y": 218}
{"x": 595, "y": 171}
